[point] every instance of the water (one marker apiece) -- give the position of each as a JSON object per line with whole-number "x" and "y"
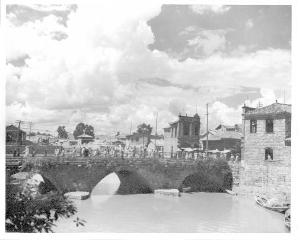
{"x": 197, "y": 212}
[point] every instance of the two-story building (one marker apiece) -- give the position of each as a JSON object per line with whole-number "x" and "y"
{"x": 266, "y": 150}
{"x": 183, "y": 133}
{"x": 223, "y": 137}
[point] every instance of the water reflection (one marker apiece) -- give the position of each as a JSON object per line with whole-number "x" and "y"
{"x": 107, "y": 186}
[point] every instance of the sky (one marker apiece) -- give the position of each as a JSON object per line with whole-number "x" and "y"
{"x": 116, "y": 67}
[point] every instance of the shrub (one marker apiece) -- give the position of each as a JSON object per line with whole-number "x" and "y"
{"x": 25, "y": 213}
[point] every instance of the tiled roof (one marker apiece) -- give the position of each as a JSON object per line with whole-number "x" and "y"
{"x": 85, "y": 136}
{"x": 275, "y": 108}
{"x": 13, "y": 128}
{"x": 218, "y": 135}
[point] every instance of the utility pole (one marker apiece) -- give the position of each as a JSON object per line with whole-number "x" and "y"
{"x": 155, "y": 130}
{"x": 130, "y": 127}
{"x": 30, "y": 125}
{"x": 206, "y": 129}
{"x": 19, "y": 138}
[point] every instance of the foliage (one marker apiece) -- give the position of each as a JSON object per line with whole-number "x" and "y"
{"x": 25, "y": 213}
{"x": 82, "y": 128}
{"x": 145, "y": 130}
{"x": 214, "y": 176}
{"x": 62, "y": 133}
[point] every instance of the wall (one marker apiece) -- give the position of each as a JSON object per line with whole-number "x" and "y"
{"x": 259, "y": 175}
{"x": 169, "y": 142}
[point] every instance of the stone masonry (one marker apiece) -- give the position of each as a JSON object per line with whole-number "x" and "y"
{"x": 258, "y": 175}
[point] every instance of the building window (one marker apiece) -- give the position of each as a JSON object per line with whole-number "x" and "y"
{"x": 269, "y": 125}
{"x": 288, "y": 128}
{"x": 175, "y": 134}
{"x": 269, "y": 154}
{"x": 196, "y": 130}
{"x": 186, "y": 129}
{"x": 253, "y": 126}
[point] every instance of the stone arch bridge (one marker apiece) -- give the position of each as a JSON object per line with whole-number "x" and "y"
{"x": 83, "y": 174}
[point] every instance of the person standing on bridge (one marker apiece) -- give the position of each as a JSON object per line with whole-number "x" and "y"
{"x": 26, "y": 151}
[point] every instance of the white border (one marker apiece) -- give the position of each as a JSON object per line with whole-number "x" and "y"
{"x": 295, "y": 131}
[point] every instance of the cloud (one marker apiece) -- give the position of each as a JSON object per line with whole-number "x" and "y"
{"x": 207, "y": 42}
{"x": 104, "y": 74}
{"x": 204, "y": 9}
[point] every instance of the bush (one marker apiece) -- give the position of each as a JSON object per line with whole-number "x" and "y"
{"x": 25, "y": 213}
{"x": 213, "y": 176}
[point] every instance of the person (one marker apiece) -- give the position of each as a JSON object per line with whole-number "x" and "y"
{"x": 232, "y": 158}
{"x": 62, "y": 151}
{"x": 15, "y": 153}
{"x": 86, "y": 152}
{"x": 83, "y": 151}
{"x": 18, "y": 152}
{"x": 34, "y": 152}
{"x": 56, "y": 151}
{"x": 237, "y": 157}
{"x": 26, "y": 151}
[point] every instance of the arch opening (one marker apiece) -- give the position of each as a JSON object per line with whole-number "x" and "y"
{"x": 132, "y": 183}
{"x": 206, "y": 182}
{"x": 122, "y": 182}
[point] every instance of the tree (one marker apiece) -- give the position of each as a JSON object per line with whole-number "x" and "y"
{"x": 62, "y": 133}
{"x": 25, "y": 213}
{"x": 145, "y": 130}
{"x": 82, "y": 128}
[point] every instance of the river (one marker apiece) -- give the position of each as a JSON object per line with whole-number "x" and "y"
{"x": 190, "y": 213}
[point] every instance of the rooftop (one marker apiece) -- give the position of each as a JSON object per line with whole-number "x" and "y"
{"x": 273, "y": 109}
{"x": 85, "y": 136}
{"x": 218, "y": 135}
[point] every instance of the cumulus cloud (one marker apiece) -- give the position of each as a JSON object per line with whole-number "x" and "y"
{"x": 202, "y": 9}
{"x": 103, "y": 72}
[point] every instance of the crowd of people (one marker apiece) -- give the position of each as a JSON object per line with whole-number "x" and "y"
{"x": 127, "y": 152}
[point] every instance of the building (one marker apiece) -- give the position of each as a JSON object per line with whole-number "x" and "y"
{"x": 39, "y": 138}
{"x": 142, "y": 140}
{"x": 223, "y": 137}
{"x": 183, "y": 133}
{"x": 266, "y": 150}
{"x": 14, "y": 135}
{"x": 85, "y": 138}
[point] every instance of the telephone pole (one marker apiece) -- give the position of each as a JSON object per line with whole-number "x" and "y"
{"x": 30, "y": 125}
{"x": 130, "y": 127}
{"x": 155, "y": 130}
{"x": 206, "y": 129}
{"x": 19, "y": 138}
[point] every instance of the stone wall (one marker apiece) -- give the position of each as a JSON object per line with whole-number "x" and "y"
{"x": 82, "y": 174}
{"x": 257, "y": 175}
